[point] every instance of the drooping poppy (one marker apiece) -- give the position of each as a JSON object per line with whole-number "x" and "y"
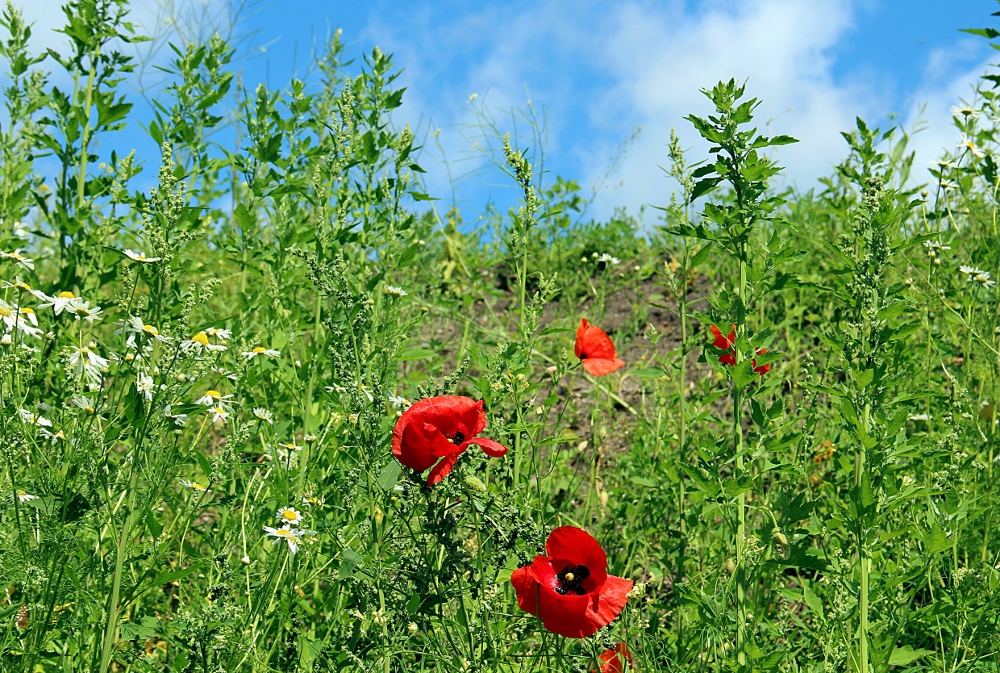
{"x": 435, "y": 431}
{"x": 727, "y": 343}
{"x": 615, "y": 660}
{"x": 569, "y": 588}
{"x": 595, "y": 350}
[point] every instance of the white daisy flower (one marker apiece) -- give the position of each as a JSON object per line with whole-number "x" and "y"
{"x": 145, "y": 386}
{"x": 21, "y": 260}
{"x": 85, "y": 361}
{"x": 83, "y": 309}
{"x": 609, "y": 259}
{"x": 219, "y": 413}
{"x": 195, "y": 486}
{"x": 17, "y": 320}
{"x": 88, "y": 404}
{"x": 220, "y": 334}
{"x": 178, "y": 419}
{"x": 59, "y": 302}
{"x": 396, "y": 291}
{"x": 398, "y": 402}
{"x": 964, "y": 112}
{"x": 289, "y": 516}
{"x": 260, "y": 350}
{"x": 983, "y": 278}
{"x": 139, "y": 257}
{"x": 6, "y": 339}
{"x": 225, "y": 373}
{"x": 32, "y": 419}
{"x": 969, "y": 145}
{"x": 24, "y": 496}
{"x": 199, "y": 342}
{"x": 214, "y": 397}
{"x": 53, "y": 437}
{"x": 263, "y": 414}
{"x": 289, "y": 535}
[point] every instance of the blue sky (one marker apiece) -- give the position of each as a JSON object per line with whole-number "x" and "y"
{"x": 597, "y": 71}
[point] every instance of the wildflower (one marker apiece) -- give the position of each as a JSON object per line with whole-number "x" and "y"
{"x": 569, "y": 588}
{"x": 396, "y": 291}
{"x": 397, "y": 401}
{"x": 195, "y": 486}
{"x": 983, "y": 278}
{"x": 199, "y": 342}
{"x": 83, "y": 309}
{"x": 608, "y": 259}
{"x": 289, "y": 535}
{"x": 53, "y": 437}
{"x": 965, "y": 112}
{"x": 213, "y": 397}
{"x": 178, "y": 419}
{"x": 139, "y": 257}
{"x": 615, "y": 660}
{"x": 919, "y": 417}
{"x": 596, "y": 350}
{"x": 87, "y": 362}
{"x": 366, "y": 392}
{"x": 263, "y": 414}
{"x": 21, "y": 260}
{"x": 24, "y": 496}
{"x": 32, "y": 419}
{"x": 145, "y": 386}
{"x": 824, "y": 452}
{"x": 219, "y": 413}
{"x": 260, "y": 350}
{"x": 728, "y": 344}
{"x": 310, "y": 500}
{"x": 441, "y": 427}
{"x": 88, "y": 404}
{"x": 6, "y": 339}
{"x": 221, "y": 334}
{"x": 58, "y": 302}
{"x": 969, "y": 145}
{"x": 19, "y": 319}
{"x": 289, "y": 516}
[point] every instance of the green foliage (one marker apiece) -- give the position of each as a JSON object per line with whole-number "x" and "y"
{"x": 199, "y": 386}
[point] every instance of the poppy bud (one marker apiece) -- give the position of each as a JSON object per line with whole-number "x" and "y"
{"x": 729, "y": 566}
{"x": 475, "y": 484}
{"x": 781, "y": 543}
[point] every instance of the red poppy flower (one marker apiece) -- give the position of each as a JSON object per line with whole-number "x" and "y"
{"x": 440, "y": 429}
{"x": 595, "y": 350}
{"x": 728, "y": 358}
{"x": 570, "y": 589}
{"x": 615, "y": 660}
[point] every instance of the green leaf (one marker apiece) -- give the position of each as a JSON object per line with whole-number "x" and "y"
{"x": 651, "y": 373}
{"x": 936, "y": 540}
{"x": 388, "y": 476}
{"x": 863, "y": 378}
{"x": 906, "y": 654}
{"x": 813, "y": 601}
{"x": 743, "y": 374}
{"x": 173, "y": 575}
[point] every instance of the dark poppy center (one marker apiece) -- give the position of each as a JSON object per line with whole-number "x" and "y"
{"x": 583, "y": 356}
{"x": 458, "y": 438}
{"x": 570, "y": 580}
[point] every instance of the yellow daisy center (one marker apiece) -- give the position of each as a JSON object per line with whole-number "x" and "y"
{"x": 214, "y": 394}
{"x": 152, "y": 330}
{"x": 259, "y": 349}
{"x": 200, "y": 338}
{"x": 27, "y": 310}
{"x": 4, "y": 310}
{"x": 66, "y": 295}
{"x": 290, "y": 514}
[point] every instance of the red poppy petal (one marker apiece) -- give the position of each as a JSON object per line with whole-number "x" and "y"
{"x": 580, "y": 548}
{"x": 613, "y": 598}
{"x": 615, "y": 660}
{"x": 595, "y": 343}
{"x": 568, "y": 616}
{"x": 434, "y": 439}
{"x": 526, "y": 588}
{"x": 728, "y": 359}
{"x": 474, "y": 419}
{"x": 580, "y": 332}
{"x": 442, "y": 469}
{"x": 409, "y": 445}
{"x": 601, "y": 367}
{"x": 490, "y": 447}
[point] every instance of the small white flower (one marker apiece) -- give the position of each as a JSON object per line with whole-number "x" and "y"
{"x": 260, "y": 350}
{"x": 220, "y": 334}
{"x": 24, "y": 496}
{"x": 219, "y": 413}
{"x": 178, "y": 419}
{"x": 86, "y": 403}
{"x": 6, "y": 339}
{"x": 195, "y": 486}
{"x": 145, "y": 386}
{"x": 289, "y": 535}
{"x": 59, "y": 302}
{"x": 964, "y": 112}
{"x": 396, "y": 291}
{"x": 213, "y": 397}
{"x": 53, "y": 437}
{"x": 398, "y": 402}
{"x": 139, "y": 257}
{"x": 32, "y": 419}
{"x": 609, "y": 259}
{"x": 19, "y": 319}
{"x": 83, "y": 309}
{"x": 21, "y": 260}
{"x": 918, "y": 417}
{"x": 367, "y": 393}
{"x": 968, "y": 270}
{"x": 263, "y": 414}
{"x": 969, "y": 145}
{"x": 85, "y": 361}
{"x": 289, "y": 516}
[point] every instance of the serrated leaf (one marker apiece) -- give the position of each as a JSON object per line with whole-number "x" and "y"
{"x": 906, "y": 654}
